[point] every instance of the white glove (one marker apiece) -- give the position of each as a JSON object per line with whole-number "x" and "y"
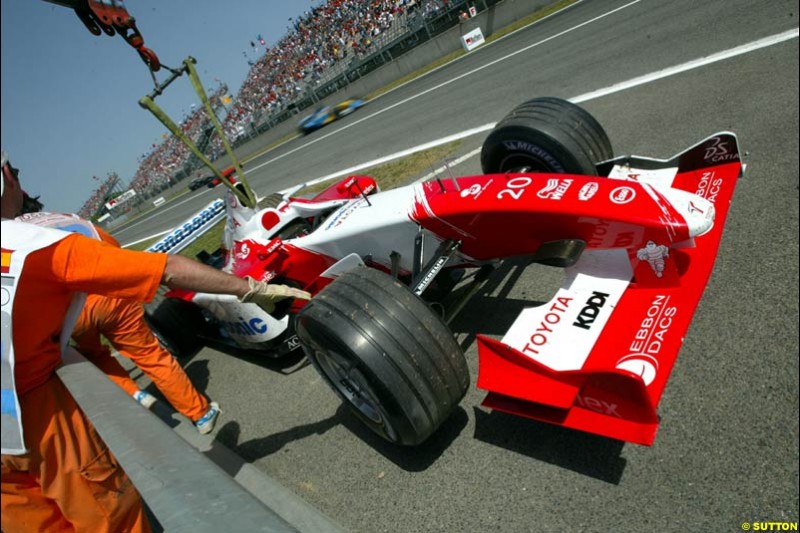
{"x": 266, "y": 295}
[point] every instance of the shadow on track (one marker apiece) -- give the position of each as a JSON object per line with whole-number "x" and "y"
{"x": 492, "y": 312}
{"x": 583, "y": 453}
{"x": 412, "y": 459}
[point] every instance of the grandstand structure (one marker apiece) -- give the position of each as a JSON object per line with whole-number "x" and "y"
{"x": 328, "y": 48}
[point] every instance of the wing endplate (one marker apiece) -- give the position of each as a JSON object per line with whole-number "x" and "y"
{"x": 597, "y": 357}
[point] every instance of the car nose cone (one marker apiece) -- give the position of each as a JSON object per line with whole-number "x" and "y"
{"x": 698, "y": 212}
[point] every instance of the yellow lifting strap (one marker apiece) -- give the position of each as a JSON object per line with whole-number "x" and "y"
{"x": 245, "y": 193}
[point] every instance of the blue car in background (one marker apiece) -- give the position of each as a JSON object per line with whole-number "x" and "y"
{"x": 326, "y": 115}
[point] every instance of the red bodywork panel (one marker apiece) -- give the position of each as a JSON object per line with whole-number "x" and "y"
{"x": 600, "y": 362}
{"x": 352, "y": 187}
{"x": 514, "y": 214}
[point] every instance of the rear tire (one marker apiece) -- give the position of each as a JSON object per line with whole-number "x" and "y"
{"x": 385, "y": 353}
{"x": 176, "y": 324}
{"x": 546, "y": 135}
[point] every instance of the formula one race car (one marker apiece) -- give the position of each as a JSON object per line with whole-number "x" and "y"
{"x": 327, "y": 114}
{"x": 211, "y": 180}
{"x": 637, "y": 236}
{"x": 202, "y": 181}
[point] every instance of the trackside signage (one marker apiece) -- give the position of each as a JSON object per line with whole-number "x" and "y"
{"x": 561, "y": 333}
{"x": 190, "y": 230}
{"x": 472, "y": 39}
{"x": 121, "y": 199}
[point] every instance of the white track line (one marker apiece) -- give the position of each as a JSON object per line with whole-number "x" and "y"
{"x": 701, "y": 62}
{"x": 146, "y": 238}
{"x": 618, "y": 87}
{"x": 451, "y": 80}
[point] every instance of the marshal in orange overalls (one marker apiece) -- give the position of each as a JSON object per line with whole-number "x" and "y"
{"x": 69, "y": 480}
{"x": 122, "y": 323}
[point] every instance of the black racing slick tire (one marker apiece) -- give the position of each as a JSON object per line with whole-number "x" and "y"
{"x": 176, "y": 324}
{"x": 385, "y": 353}
{"x": 546, "y": 135}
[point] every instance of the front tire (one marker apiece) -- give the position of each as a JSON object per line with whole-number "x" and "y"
{"x": 546, "y": 135}
{"x": 385, "y": 353}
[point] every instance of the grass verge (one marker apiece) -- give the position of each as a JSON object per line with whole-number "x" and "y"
{"x": 399, "y": 172}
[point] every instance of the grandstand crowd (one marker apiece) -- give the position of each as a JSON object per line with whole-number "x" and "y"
{"x": 330, "y": 35}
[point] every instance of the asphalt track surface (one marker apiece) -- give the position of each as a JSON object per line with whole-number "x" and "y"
{"x": 727, "y": 449}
